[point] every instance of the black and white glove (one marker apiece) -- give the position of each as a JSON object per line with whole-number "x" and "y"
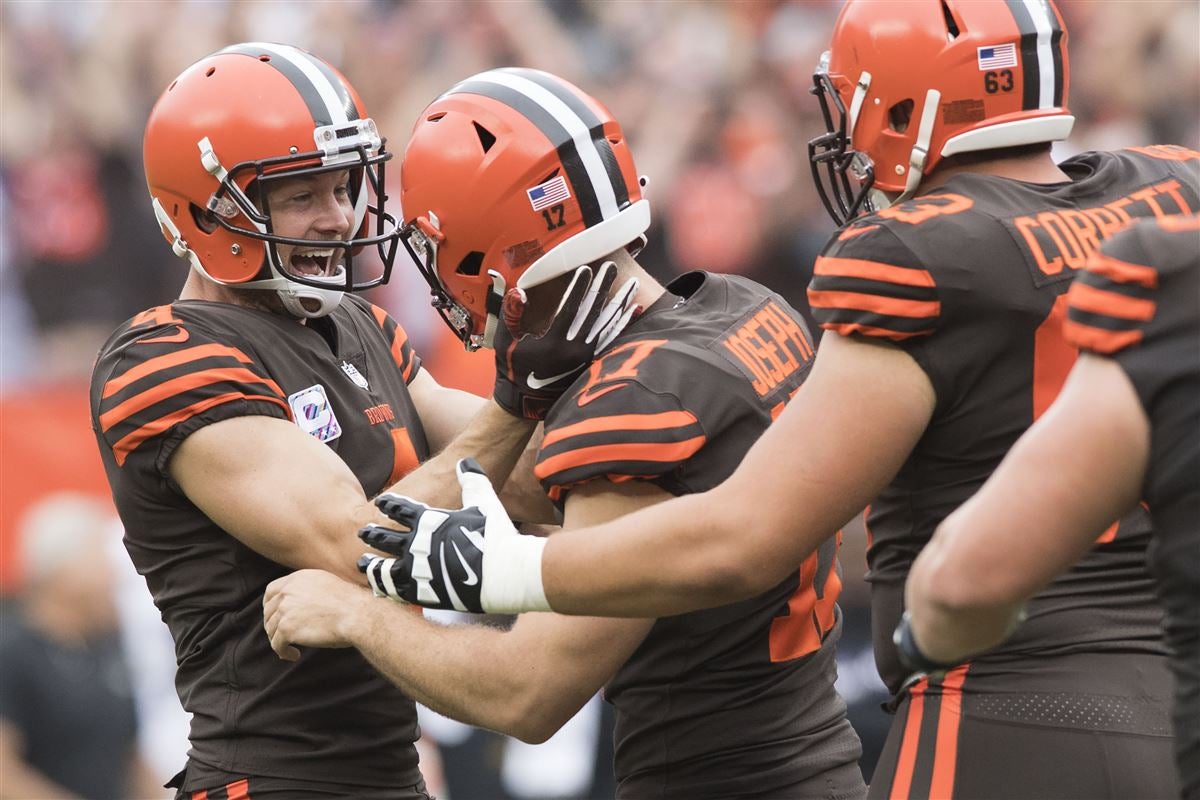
{"x": 532, "y": 372}
{"x": 470, "y": 559}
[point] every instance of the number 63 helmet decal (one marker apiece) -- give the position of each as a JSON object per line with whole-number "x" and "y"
{"x": 909, "y": 82}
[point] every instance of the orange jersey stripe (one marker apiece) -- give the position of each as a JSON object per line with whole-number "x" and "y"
{"x": 871, "y": 270}
{"x": 175, "y": 386}
{"x": 847, "y": 328}
{"x": 1099, "y": 340}
{"x": 619, "y": 422}
{"x": 171, "y": 360}
{"x": 945, "y": 752}
{"x": 238, "y": 790}
{"x": 889, "y": 306}
{"x": 1181, "y": 223}
{"x": 907, "y": 761}
{"x": 1113, "y": 304}
{"x": 637, "y": 451}
{"x": 379, "y": 314}
{"x": 1122, "y": 271}
{"x": 129, "y": 443}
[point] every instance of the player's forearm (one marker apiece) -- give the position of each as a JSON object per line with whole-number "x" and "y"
{"x": 494, "y": 438}
{"x": 670, "y": 558}
{"x": 465, "y": 672}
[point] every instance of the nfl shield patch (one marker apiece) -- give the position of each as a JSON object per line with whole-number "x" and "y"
{"x": 354, "y": 375}
{"x": 314, "y": 414}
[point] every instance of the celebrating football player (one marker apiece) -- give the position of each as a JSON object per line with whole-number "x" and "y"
{"x": 943, "y": 298}
{"x": 1126, "y": 426}
{"x": 513, "y": 178}
{"x": 243, "y": 426}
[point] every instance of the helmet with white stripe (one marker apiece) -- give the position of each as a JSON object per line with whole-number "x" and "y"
{"x": 513, "y": 177}
{"x": 231, "y": 126}
{"x": 909, "y": 82}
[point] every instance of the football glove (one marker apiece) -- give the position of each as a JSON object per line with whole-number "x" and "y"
{"x": 471, "y": 559}
{"x": 532, "y": 372}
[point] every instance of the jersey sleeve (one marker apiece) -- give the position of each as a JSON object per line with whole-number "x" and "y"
{"x": 157, "y": 384}
{"x": 1135, "y": 300}
{"x": 406, "y": 358}
{"x": 868, "y": 282}
{"x": 618, "y": 429}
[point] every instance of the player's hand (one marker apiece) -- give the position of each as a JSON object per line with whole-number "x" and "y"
{"x": 471, "y": 559}
{"x": 310, "y": 608}
{"x": 532, "y": 372}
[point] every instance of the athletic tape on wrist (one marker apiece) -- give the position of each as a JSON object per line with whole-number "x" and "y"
{"x": 513, "y": 576}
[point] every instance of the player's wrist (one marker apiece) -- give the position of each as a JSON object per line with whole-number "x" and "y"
{"x": 514, "y": 576}
{"x": 911, "y": 655}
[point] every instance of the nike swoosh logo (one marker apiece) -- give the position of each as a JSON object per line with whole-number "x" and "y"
{"x": 180, "y": 335}
{"x": 541, "y": 383}
{"x": 472, "y": 578}
{"x": 586, "y": 397}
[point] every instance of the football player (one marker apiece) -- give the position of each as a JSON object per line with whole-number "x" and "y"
{"x": 513, "y": 178}
{"x": 244, "y": 426}
{"x": 1126, "y": 426}
{"x": 943, "y": 298}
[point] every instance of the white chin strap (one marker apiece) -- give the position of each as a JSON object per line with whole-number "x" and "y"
{"x": 293, "y": 295}
{"x": 920, "y": 152}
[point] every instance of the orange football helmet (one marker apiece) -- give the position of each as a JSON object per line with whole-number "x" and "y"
{"x": 512, "y": 178}
{"x": 908, "y": 82}
{"x": 235, "y": 121}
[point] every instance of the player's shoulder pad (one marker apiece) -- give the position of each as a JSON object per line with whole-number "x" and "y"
{"x": 165, "y": 366}
{"x": 1117, "y": 294}
{"x": 868, "y": 281}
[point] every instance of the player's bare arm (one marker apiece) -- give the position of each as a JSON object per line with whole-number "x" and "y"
{"x": 526, "y": 682}
{"x": 859, "y": 415}
{"x": 1076, "y": 470}
{"x": 838, "y": 442}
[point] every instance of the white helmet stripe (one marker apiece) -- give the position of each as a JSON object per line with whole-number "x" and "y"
{"x": 1040, "y": 12}
{"x": 570, "y": 121}
{"x": 329, "y": 95}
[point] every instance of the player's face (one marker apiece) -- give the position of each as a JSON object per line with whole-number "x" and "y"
{"x": 312, "y": 207}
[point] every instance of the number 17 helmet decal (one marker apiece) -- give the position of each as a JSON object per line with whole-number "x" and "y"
{"x": 512, "y": 178}
{"x": 908, "y": 82}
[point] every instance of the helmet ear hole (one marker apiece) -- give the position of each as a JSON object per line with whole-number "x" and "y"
{"x": 471, "y": 264}
{"x": 204, "y": 219}
{"x": 900, "y": 115}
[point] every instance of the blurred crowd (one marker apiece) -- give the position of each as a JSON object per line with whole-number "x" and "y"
{"x": 712, "y": 95}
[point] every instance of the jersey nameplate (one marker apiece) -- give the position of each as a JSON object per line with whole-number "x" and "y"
{"x": 314, "y": 414}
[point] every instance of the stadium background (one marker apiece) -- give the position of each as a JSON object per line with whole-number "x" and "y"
{"x": 713, "y": 95}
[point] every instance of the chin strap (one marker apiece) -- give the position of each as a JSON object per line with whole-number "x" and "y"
{"x": 920, "y": 152}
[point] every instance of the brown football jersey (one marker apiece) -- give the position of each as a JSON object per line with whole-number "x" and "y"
{"x": 971, "y": 281}
{"x": 343, "y": 379}
{"x": 738, "y": 699}
{"x": 1138, "y": 301}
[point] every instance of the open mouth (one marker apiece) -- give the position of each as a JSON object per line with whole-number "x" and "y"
{"x": 315, "y": 263}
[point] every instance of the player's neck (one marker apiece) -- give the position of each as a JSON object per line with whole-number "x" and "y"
{"x": 197, "y": 287}
{"x": 649, "y": 289}
{"x": 1028, "y": 168}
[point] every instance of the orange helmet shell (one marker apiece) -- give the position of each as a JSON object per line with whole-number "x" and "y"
{"x": 920, "y": 80}
{"x": 519, "y": 177}
{"x": 250, "y": 110}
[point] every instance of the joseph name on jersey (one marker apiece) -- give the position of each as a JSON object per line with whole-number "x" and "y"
{"x": 342, "y": 379}
{"x": 740, "y": 698}
{"x": 1138, "y": 302}
{"x": 971, "y": 280}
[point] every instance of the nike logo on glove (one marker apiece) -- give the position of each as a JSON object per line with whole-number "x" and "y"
{"x": 472, "y": 578}
{"x": 541, "y": 383}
